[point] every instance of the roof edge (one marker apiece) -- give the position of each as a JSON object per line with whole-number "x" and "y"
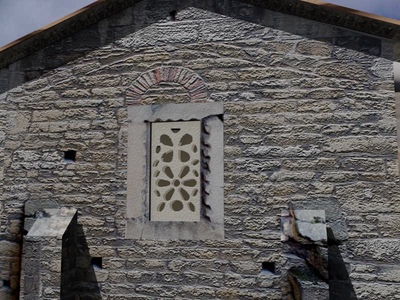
{"x": 335, "y": 15}
{"x": 52, "y": 24}
{"x": 60, "y": 29}
{"x": 354, "y": 11}
{"x": 315, "y": 10}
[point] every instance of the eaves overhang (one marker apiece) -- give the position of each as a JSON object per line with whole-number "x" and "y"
{"x": 335, "y": 15}
{"x": 310, "y": 9}
{"x": 328, "y": 13}
{"x": 61, "y": 29}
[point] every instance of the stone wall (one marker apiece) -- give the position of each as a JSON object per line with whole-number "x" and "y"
{"x": 309, "y": 122}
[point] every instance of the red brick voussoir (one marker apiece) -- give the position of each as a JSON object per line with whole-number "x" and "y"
{"x": 188, "y": 79}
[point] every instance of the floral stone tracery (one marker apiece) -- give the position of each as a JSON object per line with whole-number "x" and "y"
{"x": 175, "y": 171}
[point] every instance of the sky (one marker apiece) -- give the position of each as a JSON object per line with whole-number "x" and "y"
{"x": 21, "y": 17}
{"x": 386, "y": 8}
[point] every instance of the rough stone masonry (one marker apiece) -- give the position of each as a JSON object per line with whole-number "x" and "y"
{"x": 309, "y": 123}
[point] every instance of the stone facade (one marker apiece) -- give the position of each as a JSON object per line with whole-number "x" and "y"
{"x": 309, "y": 123}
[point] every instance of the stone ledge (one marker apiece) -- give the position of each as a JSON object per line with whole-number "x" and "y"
{"x": 52, "y": 223}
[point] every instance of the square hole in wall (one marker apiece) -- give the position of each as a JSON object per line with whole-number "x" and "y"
{"x": 172, "y": 15}
{"x": 268, "y": 267}
{"x": 70, "y": 156}
{"x": 6, "y": 284}
{"x": 97, "y": 262}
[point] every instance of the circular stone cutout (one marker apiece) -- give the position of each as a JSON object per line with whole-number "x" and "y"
{"x": 177, "y": 205}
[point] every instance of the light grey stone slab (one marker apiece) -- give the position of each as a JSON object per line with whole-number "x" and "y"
{"x": 311, "y": 224}
{"x": 52, "y": 223}
{"x": 174, "y": 112}
{"x": 304, "y": 224}
{"x": 216, "y": 175}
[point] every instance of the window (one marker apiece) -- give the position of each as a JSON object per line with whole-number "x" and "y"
{"x": 175, "y": 171}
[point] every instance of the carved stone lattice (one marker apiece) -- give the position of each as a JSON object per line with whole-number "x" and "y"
{"x": 175, "y": 171}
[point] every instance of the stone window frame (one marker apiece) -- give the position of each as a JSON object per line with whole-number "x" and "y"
{"x": 211, "y": 224}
